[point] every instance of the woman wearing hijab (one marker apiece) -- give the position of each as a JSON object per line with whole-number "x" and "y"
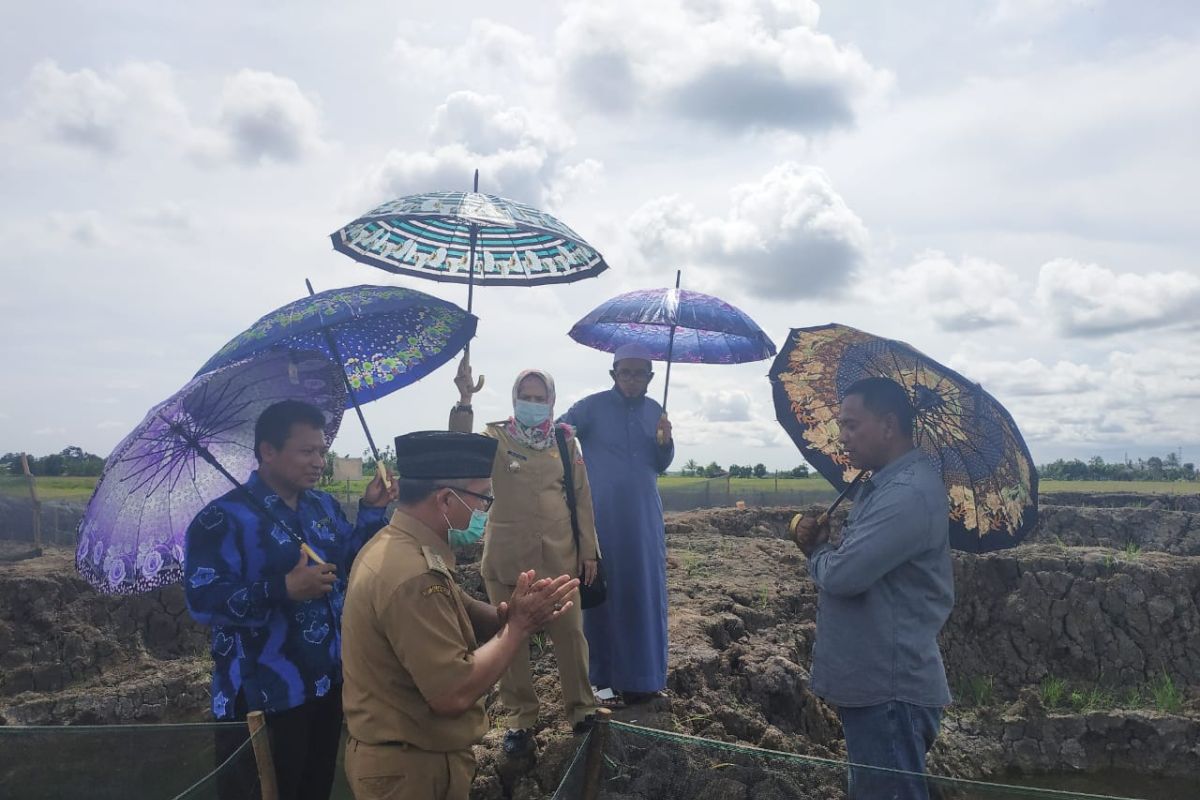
{"x": 529, "y": 527}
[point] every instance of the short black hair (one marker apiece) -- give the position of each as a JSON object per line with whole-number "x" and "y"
{"x": 885, "y": 396}
{"x": 275, "y": 424}
{"x": 410, "y": 491}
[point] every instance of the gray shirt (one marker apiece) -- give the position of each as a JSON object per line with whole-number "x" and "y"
{"x": 885, "y": 592}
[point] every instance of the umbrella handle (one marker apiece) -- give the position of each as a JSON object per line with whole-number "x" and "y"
{"x": 308, "y": 551}
{"x": 823, "y": 519}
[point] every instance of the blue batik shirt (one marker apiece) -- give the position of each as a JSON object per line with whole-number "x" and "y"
{"x": 281, "y": 653}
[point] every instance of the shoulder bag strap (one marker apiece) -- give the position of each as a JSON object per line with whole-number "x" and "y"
{"x": 568, "y": 481}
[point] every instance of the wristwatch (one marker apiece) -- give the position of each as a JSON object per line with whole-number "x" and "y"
{"x": 463, "y": 407}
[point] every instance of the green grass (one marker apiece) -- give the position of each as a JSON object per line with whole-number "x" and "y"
{"x": 1132, "y": 487}
{"x": 49, "y": 488}
{"x": 1167, "y": 696}
{"x": 810, "y": 484}
{"x": 1052, "y": 690}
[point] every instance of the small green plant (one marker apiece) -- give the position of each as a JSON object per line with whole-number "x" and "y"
{"x": 1091, "y": 699}
{"x": 978, "y": 690}
{"x": 1109, "y": 561}
{"x": 539, "y": 642}
{"x": 1133, "y": 697}
{"x": 762, "y": 600}
{"x": 1166, "y": 694}
{"x": 1052, "y": 690}
{"x": 1132, "y": 550}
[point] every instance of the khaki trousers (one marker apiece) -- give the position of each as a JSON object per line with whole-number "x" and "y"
{"x": 402, "y": 772}
{"x": 571, "y": 653}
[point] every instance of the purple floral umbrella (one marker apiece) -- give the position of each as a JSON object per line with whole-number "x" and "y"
{"x": 675, "y": 325}
{"x": 189, "y": 450}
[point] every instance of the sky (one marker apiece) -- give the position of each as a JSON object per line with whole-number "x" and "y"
{"x": 1010, "y": 186}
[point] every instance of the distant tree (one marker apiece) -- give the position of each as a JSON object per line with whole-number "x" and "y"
{"x": 1154, "y": 465}
{"x": 388, "y": 454}
{"x": 1189, "y": 471}
{"x": 800, "y": 471}
{"x": 690, "y": 469}
{"x": 760, "y": 470}
{"x": 713, "y": 470}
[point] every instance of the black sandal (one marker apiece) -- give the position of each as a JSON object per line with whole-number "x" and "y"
{"x": 517, "y": 741}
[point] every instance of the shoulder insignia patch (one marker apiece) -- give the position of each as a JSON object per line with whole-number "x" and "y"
{"x": 435, "y": 562}
{"x": 435, "y": 588}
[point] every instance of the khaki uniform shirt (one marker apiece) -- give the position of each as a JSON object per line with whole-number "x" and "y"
{"x": 406, "y": 637}
{"x": 529, "y": 526}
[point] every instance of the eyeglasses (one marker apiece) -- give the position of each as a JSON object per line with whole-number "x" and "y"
{"x": 486, "y": 498}
{"x": 633, "y": 374}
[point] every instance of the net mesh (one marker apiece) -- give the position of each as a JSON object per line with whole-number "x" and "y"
{"x": 159, "y": 762}
{"x": 642, "y": 764}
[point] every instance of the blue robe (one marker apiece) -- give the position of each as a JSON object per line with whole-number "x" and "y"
{"x": 627, "y": 635}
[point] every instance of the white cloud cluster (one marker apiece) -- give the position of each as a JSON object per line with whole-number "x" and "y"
{"x": 788, "y": 235}
{"x": 725, "y": 406}
{"x": 735, "y": 64}
{"x": 1089, "y": 300}
{"x": 1033, "y": 13}
{"x": 137, "y": 108}
{"x": 971, "y": 294}
{"x": 519, "y": 154}
{"x": 265, "y": 117}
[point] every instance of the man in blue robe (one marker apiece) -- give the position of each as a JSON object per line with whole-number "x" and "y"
{"x": 627, "y": 443}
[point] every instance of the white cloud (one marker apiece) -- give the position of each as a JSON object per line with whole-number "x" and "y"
{"x": 492, "y": 55}
{"x": 519, "y": 154}
{"x": 1089, "y": 300}
{"x": 725, "y": 406}
{"x": 1033, "y": 13}
{"x": 87, "y": 228}
{"x": 109, "y": 114}
{"x": 1030, "y": 376}
{"x": 972, "y": 294}
{"x": 136, "y": 108}
{"x": 265, "y": 117}
{"x": 735, "y": 64}
{"x": 786, "y": 236}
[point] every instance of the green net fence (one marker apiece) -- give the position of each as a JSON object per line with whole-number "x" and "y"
{"x": 639, "y": 763}
{"x": 156, "y": 762}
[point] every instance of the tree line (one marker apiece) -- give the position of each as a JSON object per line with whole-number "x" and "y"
{"x": 1096, "y": 469}
{"x": 70, "y": 461}
{"x": 692, "y": 469}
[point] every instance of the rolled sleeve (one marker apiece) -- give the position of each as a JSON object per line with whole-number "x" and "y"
{"x": 423, "y": 626}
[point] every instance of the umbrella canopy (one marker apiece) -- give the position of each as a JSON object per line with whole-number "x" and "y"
{"x": 157, "y": 479}
{"x": 967, "y": 434}
{"x": 433, "y": 235}
{"x": 385, "y": 337}
{"x": 704, "y": 329}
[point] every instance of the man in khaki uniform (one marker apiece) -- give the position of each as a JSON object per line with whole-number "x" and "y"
{"x": 530, "y": 528}
{"x": 414, "y": 669}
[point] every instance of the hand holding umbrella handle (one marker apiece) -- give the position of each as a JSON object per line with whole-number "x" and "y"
{"x": 660, "y": 435}
{"x": 312, "y": 554}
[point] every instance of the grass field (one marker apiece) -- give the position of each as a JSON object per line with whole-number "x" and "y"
{"x": 79, "y": 489}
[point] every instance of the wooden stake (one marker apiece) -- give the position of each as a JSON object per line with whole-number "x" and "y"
{"x": 262, "y": 755}
{"x": 593, "y": 767}
{"x": 37, "y": 504}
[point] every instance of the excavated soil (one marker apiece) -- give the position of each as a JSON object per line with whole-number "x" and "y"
{"x": 1102, "y": 603}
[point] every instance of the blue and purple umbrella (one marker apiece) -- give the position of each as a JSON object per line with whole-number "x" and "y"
{"x": 189, "y": 450}
{"x": 384, "y": 337}
{"x": 675, "y": 325}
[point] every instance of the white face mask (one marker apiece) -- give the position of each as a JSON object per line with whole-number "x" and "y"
{"x": 530, "y": 414}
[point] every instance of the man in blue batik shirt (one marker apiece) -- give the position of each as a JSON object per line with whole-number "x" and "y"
{"x": 883, "y": 593}
{"x": 276, "y": 617}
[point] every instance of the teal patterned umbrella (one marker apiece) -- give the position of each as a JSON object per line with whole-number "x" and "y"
{"x": 440, "y": 235}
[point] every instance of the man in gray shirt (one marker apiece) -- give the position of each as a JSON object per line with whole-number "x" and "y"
{"x": 884, "y": 593}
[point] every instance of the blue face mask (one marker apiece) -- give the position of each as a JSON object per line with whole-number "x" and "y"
{"x": 531, "y": 414}
{"x": 461, "y": 537}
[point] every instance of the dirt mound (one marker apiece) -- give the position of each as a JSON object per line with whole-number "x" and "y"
{"x": 57, "y": 634}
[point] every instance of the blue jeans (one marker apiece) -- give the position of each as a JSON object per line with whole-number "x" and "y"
{"x": 895, "y": 736}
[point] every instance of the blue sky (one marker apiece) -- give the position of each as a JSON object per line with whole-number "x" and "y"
{"x": 1010, "y": 186}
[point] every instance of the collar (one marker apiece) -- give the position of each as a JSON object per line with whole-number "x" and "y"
{"x": 629, "y": 401}
{"x": 885, "y": 474}
{"x": 259, "y": 488}
{"x": 408, "y": 525}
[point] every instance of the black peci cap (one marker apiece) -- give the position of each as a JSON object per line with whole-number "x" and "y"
{"x": 444, "y": 455}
